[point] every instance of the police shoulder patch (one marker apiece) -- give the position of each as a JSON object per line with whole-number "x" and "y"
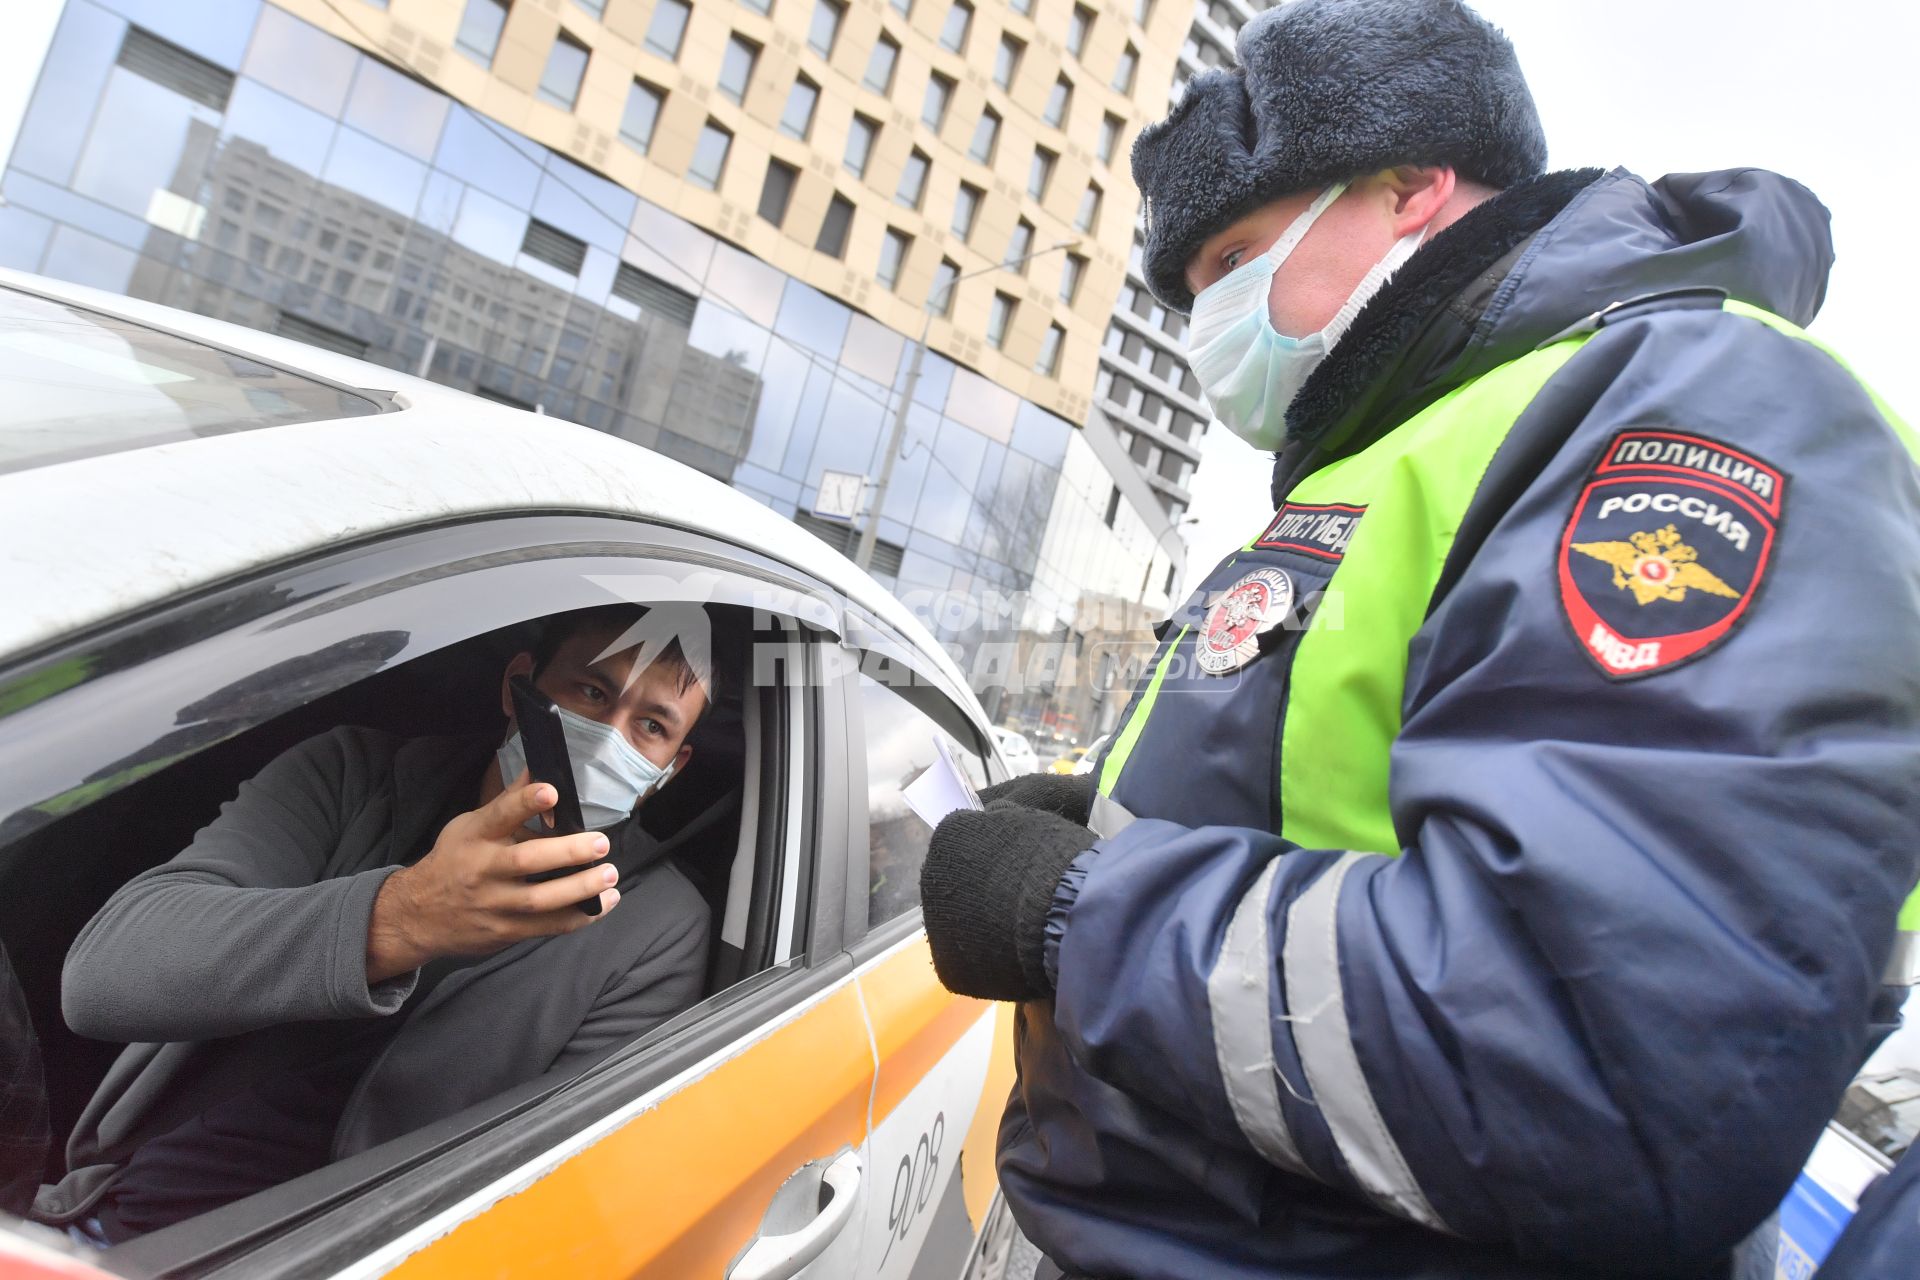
{"x": 1666, "y": 548}
{"x": 1320, "y": 530}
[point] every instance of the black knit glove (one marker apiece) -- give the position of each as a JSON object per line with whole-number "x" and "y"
{"x": 1068, "y": 795}
{"x": 985, "y": 888}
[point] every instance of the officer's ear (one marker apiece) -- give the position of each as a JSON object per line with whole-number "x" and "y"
{"x": 1415, "y": 194}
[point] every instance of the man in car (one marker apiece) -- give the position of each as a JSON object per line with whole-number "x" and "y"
{"x": 352, "y": 948}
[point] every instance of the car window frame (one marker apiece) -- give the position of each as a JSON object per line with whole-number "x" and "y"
{"x": 330, "y": 1213}
{"x": 866, "y": 940}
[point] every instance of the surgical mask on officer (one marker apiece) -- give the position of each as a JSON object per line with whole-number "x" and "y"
{"x": 609, "y": 773}
{"x": 1250, "y": 371}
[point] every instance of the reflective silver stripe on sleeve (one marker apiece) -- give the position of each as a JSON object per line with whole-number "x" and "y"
{"x": 1238, "y": 996}
{"x": 1108, "y": 816}
{"x": 1311, "y": 961}
{"x": 1903, "y": 966}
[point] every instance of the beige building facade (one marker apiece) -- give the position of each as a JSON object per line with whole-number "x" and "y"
{"x": 1101, "y": 70}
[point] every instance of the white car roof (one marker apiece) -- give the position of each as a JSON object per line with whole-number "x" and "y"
{"x": 91, "y": 539}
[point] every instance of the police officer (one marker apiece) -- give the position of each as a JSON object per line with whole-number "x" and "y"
{"x": 1496, "y": 872}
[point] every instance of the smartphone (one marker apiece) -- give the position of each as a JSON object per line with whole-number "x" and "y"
{"x": 546, "y": 746}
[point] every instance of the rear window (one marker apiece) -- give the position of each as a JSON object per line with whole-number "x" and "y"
{"x": 75, "y": 382}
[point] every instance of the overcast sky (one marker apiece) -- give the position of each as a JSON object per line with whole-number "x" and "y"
{"x": 1821, "y": 93}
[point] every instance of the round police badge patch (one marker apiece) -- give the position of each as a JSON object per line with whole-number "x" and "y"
{"x": 1666, "y": 548}
{"x": 1230, "y": 633}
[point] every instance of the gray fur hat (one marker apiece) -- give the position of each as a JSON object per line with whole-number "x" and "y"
{"x": 1329, "y": 90}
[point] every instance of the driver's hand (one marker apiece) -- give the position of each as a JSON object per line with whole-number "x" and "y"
{"x": 469, "y": 896}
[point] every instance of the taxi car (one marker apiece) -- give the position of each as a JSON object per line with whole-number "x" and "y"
{"x": 218, "y": 543}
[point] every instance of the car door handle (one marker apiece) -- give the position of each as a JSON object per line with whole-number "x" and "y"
{"x": 780, "y": 1257}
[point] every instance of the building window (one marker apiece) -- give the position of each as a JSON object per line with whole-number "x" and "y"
{"x": 642, "y": 114}
{"x": 953, "y": 35}
{"x": 1142, "y": 10}
{"x": 913, "y": 180}
{"x": 893, "y": 254}
{"x": 797, "y": 120}
{"x": 1070, "y": 272}
{"x": 1113, "y": 507}
{"x": 1110, "y": 129}
{"x": 709, "y": 157}
{"x": 759, "y": 6}
{"x": 966, "y": 208}
{"x": 1089, "y": 214}
{"x": 566, "y": 64}
{"x": 479, "y": 34}
{"x": 1123, "y": 72}
{"x": 825, "y": 28}
{"x": 1079, "y": 26}
{"x": 886, "y": 52}
{"x": 832, "y": 239}
{"x": 777, "y": 190}
{"x": 554, "y": 247}
{"x": 940, "y": 297}
{"x": 598, "y": 8}
{"x": 1058, "y": 101}
{"x": 985, "y": 135}
{"x": 860, "y": 139}
{"x": 1020, "y": 247}
{"x": 933, "y": 108}
{"x": 1049, "y": 361}
{"x": 1000, "y": 319}
{"x": 1023, "y": 7}
{"x": 668, "y": 28}
{"x": 903, "y": 7}
{"x": 1040, "y": 173}
{"x": 1006, "y": 63}
{"x": 736, "y": 67}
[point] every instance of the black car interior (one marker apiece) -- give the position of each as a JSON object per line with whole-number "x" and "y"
{"x": 53, "y": 880}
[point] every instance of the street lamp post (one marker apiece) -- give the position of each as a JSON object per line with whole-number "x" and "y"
{"x": 863, "y": 554}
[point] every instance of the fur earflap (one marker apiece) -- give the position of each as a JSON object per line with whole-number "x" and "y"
{"x": 1328, "y": 90}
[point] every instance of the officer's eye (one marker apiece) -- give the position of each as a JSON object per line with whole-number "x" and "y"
{"x": 1231, "y": 258}
{"x": 593, "y": 694}
{"x": 654, "y": 727}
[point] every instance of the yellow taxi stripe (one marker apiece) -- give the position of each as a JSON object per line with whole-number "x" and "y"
{"x": 978, "y": 1174}
{"x": 916, "y": 1021}
{"x": 680, "y": 1188}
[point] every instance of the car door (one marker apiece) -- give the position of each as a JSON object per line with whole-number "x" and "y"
{"x": 945, "y": 1062}
{"x": 725, "y": 1142}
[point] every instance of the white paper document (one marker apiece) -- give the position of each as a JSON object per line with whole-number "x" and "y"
{"x": 941, "y": 787}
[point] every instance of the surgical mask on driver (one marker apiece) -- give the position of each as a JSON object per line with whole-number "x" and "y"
{"x": 610, "y": 773}
{"x": 1250, "y": 371}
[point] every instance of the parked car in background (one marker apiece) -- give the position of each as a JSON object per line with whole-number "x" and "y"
{"x": 1076, "y": 760}
{"x": 1091, "y": 756}
{"x": 1017, "y": 752}
{"x": 221, "y": 543}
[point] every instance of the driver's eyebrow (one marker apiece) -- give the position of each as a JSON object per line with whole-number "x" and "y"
{"x": 665, "y": 712}
{"x": 594, "y": 671}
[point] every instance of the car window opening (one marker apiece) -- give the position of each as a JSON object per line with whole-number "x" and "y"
{"x": 368, "y": 777}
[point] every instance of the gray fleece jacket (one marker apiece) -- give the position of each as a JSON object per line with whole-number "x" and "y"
{"x": 218, "y": 964}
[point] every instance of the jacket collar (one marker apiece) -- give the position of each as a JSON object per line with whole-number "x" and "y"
{"x": 1404, "y": 349}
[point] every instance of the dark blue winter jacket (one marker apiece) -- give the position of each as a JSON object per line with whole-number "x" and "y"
{"x": 1519, "y": 905}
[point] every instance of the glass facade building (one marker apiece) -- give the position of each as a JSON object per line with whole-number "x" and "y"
{"x": 1144, "y": 388}
{"x": 230, "y": 159}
